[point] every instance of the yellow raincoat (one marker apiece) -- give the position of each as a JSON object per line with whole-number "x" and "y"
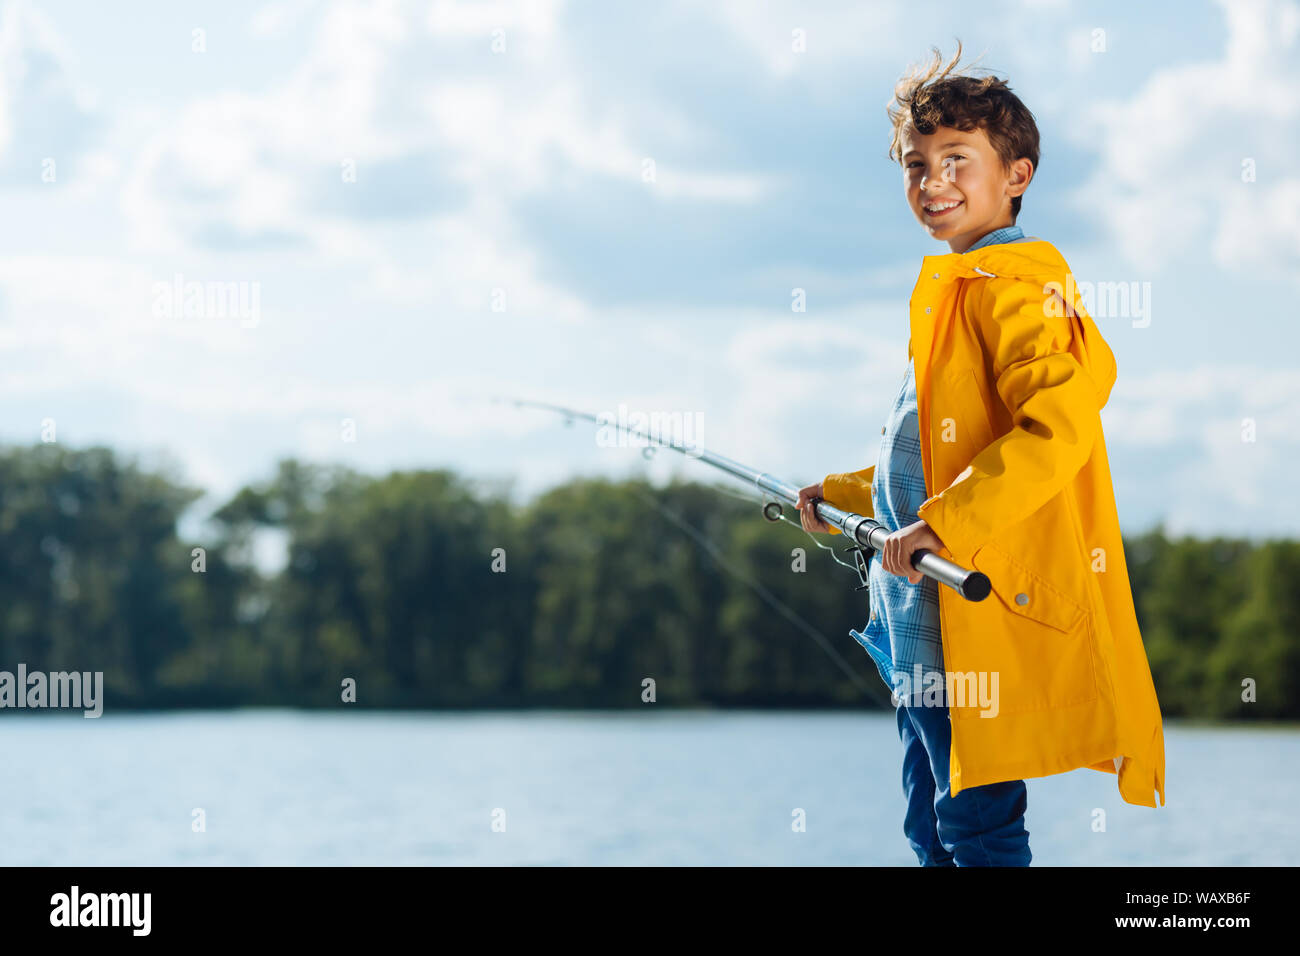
{"x": 1010, "y": 384}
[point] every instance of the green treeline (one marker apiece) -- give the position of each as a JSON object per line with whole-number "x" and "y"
{"x": 390, "y": 581}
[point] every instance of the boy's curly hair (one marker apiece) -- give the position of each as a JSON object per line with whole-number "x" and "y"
{"x": 938, "y": 95}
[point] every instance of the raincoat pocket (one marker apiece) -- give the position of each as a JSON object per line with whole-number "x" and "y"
{"x": 1030, "y": 636}
{"x": 1026, "y": 594}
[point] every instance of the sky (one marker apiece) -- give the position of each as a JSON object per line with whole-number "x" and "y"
{"x": 340, "y": 230}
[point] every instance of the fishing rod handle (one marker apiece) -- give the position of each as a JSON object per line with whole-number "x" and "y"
{"x": 972, "y": 585}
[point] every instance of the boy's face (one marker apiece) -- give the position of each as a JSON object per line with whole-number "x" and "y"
{"x": 951, "y": 166}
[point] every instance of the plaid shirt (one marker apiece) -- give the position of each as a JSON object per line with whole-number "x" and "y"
{"x": 902, "y": 634}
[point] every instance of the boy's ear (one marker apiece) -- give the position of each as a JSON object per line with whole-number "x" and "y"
{"x": 1021, "y": 173}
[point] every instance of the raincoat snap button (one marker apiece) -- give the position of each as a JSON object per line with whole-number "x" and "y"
{"x": 1022, "y": 598}
{"x": 927, "y": 310}
{"x": 936, "y": 275}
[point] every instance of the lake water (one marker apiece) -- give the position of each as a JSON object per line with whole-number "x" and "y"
{"x": 694, "y": 787}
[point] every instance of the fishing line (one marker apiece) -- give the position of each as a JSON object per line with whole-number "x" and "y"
{"x": 872, "y": 691}
{"x": 767, "y": 596}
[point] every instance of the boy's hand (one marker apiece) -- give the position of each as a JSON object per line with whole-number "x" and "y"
{"x": 807, "y": 498}
{"x": 896, "y": 558}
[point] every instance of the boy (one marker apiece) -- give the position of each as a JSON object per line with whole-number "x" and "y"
{"x": 993, "y": 457}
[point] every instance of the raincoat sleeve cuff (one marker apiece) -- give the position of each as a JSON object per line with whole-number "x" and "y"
{"x": 851, "y": 491}
{"x": 959, "y": 540}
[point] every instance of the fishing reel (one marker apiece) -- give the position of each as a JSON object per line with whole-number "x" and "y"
{"x": 861, "y": 559}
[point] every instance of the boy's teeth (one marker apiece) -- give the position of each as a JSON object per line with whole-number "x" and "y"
{"x": 941, "y": 206}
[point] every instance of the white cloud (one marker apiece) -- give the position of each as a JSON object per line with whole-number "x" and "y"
{"x": 1170, "y": 177}
{"x": 280, "y": 16}
{"x": 534, "y": 20}
{"x": 42, "y": 102}
{"x": 831, "y": 33}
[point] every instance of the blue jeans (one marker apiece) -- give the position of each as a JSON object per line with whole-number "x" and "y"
{"x": 981, "y": 826}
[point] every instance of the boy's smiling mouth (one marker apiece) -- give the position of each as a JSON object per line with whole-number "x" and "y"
{"x": 935, "y": 208}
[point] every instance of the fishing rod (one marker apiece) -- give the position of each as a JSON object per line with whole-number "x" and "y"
{"x": 867, "y": 535}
